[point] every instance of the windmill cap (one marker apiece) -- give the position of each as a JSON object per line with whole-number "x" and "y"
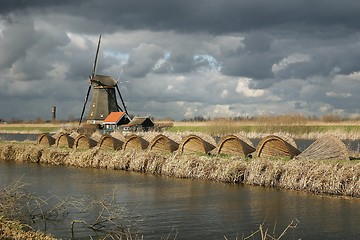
{"x": 104, "y": 80}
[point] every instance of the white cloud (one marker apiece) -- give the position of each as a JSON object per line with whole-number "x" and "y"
{"x": 334, "y": 94}
{"x": 224, "y": 93}
{"x": 243, "y": 88}
{"x": 291, "y": 59}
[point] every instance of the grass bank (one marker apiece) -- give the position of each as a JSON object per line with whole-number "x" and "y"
{"x": 30, "y": 128}
{"x": 340, "y": 178}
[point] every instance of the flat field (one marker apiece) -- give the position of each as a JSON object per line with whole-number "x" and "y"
{"x": 303, "y": 129}
{"x": 297, "y": 128}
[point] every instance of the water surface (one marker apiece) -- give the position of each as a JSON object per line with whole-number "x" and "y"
{"x": 194, "y": 209}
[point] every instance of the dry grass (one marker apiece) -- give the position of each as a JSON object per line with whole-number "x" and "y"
{"x": 261, "y": 127}
{"x": 15, "y": 230}
{"x": 319, "y": 177}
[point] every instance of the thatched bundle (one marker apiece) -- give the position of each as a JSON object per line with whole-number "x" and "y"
{"x": 287, "y": 138}
{"x": 327, "y": 147}
{"x": 64, "y": 140}
{"x": 108, "y": 142}
{"x": 274, "y": 146}
{"x": 176, "y": 137}
{"x": 148, "y": 136}
{"x": 161, "y": 143}
{"x": 234, "y": 145}
{"x": 96, "y": 136}
{"x": 206, "y": 137}
{"x": 136, "y": 142}
{"x": 118, "y": 135}
{"x": 82, "y": 141}
{"x": 195, "y": 144}
{"x": 45, "y": 140}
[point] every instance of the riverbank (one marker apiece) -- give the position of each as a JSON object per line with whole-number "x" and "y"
{"x": 337, "y": 178}
{"x": 15, "y": 230}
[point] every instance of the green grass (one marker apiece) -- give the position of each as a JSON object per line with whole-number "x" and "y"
{"x": 28, "y": 129}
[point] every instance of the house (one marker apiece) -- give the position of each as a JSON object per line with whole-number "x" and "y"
{"x": 139, "y": 124}
{"x": 114, "y": 120}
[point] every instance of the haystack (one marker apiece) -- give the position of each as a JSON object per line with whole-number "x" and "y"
{"x": 274, "y": 146}
{"x": 108, "y": 142}
{"x": 64, "y": 140}
{"x": 234, "y": 145}
{"x": 82, "y": 141}
{"x": 45, "y": 140}
{"x": 195, "y": 144}
{"x": 136, "y": 142}
{"x": 327, "y": 147}
{"x": 161, "y": 143}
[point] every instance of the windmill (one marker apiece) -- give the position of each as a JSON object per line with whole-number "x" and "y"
{"x": 104, "y": 95}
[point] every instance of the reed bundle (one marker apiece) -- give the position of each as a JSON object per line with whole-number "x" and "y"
{"x": 136, "y": 142}
{"x": 45, "y": 140}
{"x": 161, "y": 143}
{"x": 205, "y": 136}
{"x": 274, "y": 146}
{"x": 176, "y": 137}
{"x": 82, "y": 141}
{"x": 118, "y": 135}
{"x": 234, "y": 145}
{"x": 108, "y": 142}
{"x": 148, "y": 136}
{"x": 64, "y": 140}
{"x": 195, "y": 144}
{"x": 96, "y": 136}
{"x": 327, "y": 147}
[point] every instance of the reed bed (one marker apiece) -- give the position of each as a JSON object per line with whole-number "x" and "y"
{"x": 10, "y": 229}
{"x": 319, "y": 177}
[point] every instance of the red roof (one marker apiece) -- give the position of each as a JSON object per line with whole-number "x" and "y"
{"x": 114, "y": 117}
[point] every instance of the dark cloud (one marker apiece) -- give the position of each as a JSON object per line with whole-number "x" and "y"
{"x": 182, "y": 58}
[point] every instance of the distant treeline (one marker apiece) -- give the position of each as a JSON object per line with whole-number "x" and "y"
{"x": 277, "y": 118}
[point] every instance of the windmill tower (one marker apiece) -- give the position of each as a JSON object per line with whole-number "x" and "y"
{"x": 104, "y": 96}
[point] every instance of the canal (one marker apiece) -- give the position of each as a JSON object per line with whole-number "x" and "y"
{"x": 190, "y": 209}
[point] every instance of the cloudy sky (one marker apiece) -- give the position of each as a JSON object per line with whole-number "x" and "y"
{"x": 182, "y": 59}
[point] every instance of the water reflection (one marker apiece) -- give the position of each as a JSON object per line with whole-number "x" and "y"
{"x": 196, "y": 209}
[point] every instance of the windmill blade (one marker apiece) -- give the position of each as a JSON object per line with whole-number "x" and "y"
{"x": 96, "y": 58}
{"x": 122, "y": 100}
{"x": 120, "y": 75}
{"x": 86, "y": 99}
